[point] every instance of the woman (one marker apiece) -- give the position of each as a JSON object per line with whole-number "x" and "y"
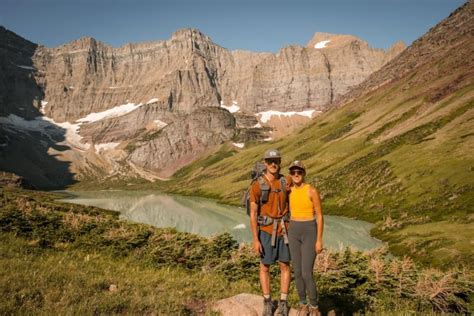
{"x": 305, "y": 236}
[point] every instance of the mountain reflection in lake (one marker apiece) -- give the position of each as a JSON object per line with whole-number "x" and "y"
{"x": 205, "y": 217}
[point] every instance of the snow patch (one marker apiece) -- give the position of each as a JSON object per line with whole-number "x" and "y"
{"x": 268, "y": 139}
{"x": 240, "y": 226}
{"x": 232, "y": 109}
{"x": 26, "y": 67}
{"x": 72, "y": 135}
{"x": 43, "y": 106}
{"x": 258, "y": 125}
{"x": 113, "y": 112}
{"x": 105, "y": 146}
{"x": 159, "y": 124}
{"x": 321, "y": 44}
{"x": 239, "y": 145}
{"x": 267, "y": 115}
{"x": 76, "y": 51}
{"x": 47, "y": 126}
{"x": 152, "y": 101}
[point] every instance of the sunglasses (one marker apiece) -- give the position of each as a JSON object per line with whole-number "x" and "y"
{"x": 297, "y": 172}
{"x": 272, "y": 161}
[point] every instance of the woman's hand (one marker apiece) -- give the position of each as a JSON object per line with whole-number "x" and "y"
{"x": 318, "y": 247}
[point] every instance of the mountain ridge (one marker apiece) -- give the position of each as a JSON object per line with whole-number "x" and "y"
{"x": 168, "y": 81}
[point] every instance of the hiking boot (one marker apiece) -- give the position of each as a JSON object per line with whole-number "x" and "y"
{"x": 313, "y": 311}
{"x": 267, "y": 307}
{"x": 303, "y": 310}
{"x": 283, "y": 308}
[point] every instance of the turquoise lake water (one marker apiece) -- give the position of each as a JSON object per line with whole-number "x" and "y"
{"x": 206, "y": 217}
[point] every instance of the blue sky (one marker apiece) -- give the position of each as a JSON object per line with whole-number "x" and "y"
{"x": 257, "y": 25}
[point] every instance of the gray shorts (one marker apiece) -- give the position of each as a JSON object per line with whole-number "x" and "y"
{"x": 270, "y": 255}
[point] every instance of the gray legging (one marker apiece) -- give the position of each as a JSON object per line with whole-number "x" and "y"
{"x": 302, "y": 239}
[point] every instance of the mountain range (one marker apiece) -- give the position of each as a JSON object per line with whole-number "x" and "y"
{"x": 148, "y": 109}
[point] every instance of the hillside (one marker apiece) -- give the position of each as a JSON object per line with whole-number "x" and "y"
{"x": 398, "y": 151}
{"x": 59, "y": 258}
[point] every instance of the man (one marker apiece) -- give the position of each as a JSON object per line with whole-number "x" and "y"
{"x": 268, "y": 220}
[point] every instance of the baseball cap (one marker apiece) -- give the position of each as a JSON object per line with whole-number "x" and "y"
{"x": 297, "y": 164}
{"x": 272, "y": 153}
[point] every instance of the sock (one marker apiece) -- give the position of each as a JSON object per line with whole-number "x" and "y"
{"x": 266, "y": 296}
{"x": 283, "y": 296}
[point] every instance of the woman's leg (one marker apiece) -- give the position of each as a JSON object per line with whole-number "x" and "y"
{"x": 294, "y": 241}
{"x": 307, "y": 260}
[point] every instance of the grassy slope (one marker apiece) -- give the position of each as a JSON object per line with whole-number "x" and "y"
{"x": 49, "y": 281}
{"x": 400, "y": 156}
{"x": 62, "y": 259}
{"x": 58, "y": 258}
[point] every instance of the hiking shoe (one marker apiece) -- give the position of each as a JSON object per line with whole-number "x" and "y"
{"x": 267, "y": 307}
{"x": 283, "y": 308}
{"x": 303, "y": 310}
{"x": 313, "y": 311}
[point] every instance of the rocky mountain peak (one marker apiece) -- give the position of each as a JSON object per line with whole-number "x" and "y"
{"x": 10, "y": 40}
{"x": 84, "y": 43}
{"x": 190, "y": 33}
{"x": 397, "y": 46}
{"x": 329, "y": 40}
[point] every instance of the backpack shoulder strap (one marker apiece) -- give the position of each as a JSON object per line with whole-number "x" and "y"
{"x": 263, "y": 184}
{"x": 264, "y": 189}
{"x": 283, "y": 185}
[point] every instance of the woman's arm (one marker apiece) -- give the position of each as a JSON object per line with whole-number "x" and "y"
{"x": 314, "y": 195}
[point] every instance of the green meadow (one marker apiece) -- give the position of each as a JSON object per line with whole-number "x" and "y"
{"x": 58, "y": 258}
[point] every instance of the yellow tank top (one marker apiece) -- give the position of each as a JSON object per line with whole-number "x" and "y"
{"x": 301, "y": 206}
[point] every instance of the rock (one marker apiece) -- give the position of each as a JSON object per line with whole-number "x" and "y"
{"x": 14, "y": 181}
{"x": 177, "y": 144}
{"x": 243, "y": 304}
{"x": 113, "y": 288}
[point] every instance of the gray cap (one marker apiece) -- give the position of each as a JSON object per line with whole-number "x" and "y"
{"x": 272, "y": 153}
{"x": 297, "y": 164}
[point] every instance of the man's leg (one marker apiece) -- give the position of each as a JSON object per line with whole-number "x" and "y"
{"x": 267, "y": 259}
{"x": 285, "y": 277}
{"x": 265, "y": 278}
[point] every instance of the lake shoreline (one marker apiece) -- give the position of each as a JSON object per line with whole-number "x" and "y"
{"x": 199, "y": 214}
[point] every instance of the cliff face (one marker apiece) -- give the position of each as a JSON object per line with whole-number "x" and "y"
{"x": 88, "y": 76}
{"x": 19, "y": 93}
{"x": 190, "y": 71}
{"x": 184, "y": 141}
{"x": 154, "y": 107}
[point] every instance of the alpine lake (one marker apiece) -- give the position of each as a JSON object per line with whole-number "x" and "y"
{"x": 207, "y": 218}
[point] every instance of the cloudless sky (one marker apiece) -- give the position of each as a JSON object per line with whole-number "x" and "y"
{"x": 256, "y": 25}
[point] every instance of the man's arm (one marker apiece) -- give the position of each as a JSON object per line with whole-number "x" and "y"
{"x": 257, "y": 247}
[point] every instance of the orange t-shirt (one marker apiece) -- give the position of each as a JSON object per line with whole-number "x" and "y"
{"x": 270, "y": 208}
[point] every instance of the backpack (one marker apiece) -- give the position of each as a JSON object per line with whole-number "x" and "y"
{"x": 257, "y": 175}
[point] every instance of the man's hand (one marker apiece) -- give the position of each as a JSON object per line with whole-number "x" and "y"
{"x": 318, "y": 247}
{"x": 257, "y": 247}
